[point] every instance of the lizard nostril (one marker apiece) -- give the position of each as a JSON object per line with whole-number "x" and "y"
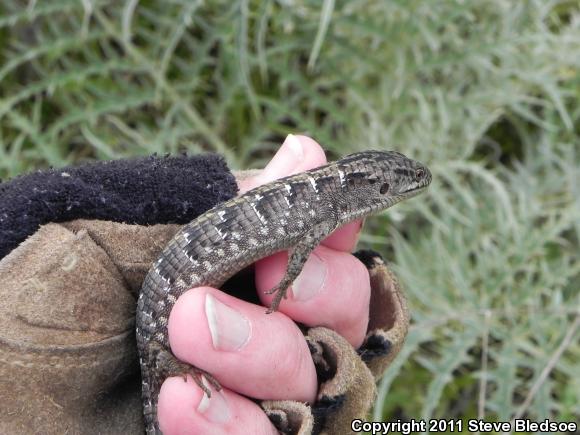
{"x": 384, "y": 188}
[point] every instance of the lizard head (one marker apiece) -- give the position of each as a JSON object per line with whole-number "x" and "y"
{"x": 376, "y": 180}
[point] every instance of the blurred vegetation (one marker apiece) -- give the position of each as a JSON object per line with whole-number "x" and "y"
{"x": 485, "y": 92}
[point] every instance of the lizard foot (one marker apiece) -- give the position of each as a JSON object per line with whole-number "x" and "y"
{"x": 280, "y": 293}
{"x": 168, "y": 365}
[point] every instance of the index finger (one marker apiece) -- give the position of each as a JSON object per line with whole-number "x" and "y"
{"x": 297, "y": 154}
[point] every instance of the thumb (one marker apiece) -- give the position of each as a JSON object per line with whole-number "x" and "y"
{"x": 298, "y": 153}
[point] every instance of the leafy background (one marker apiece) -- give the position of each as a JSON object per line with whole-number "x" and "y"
{"x": 485, "y": 92}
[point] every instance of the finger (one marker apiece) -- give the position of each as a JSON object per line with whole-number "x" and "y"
{"x": 345, "y": 238}
{"x": 258, "y": 355}
{"x": 333, "y": 290}
{"x": 297, "y": 154}
{"x": 184, "y": 409}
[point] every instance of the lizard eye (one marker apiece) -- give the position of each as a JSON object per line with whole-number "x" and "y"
{"x": 373, "y": 179}
{"x": 419, "y": 173}
{"x": 384, "y": 188}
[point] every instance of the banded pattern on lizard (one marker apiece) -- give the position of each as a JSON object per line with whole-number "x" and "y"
{"x": 295, "y": 212}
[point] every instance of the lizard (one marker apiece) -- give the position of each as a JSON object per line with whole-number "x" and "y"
{"x": 292, "y": 213}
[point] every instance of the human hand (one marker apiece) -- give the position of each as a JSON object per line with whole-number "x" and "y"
{"x": 259, "y": 356}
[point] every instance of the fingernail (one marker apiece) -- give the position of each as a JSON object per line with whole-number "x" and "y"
{"x": 215, "y": 409}
{"x": 310, "y": 280}
{"x": 290, "y": 154}
{"x": 294, "y": 144}
{"x": 229, "y": 330}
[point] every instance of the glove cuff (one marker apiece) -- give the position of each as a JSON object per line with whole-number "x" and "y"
{"x": 347, "y": 377}
{"x": 143, "y": 191}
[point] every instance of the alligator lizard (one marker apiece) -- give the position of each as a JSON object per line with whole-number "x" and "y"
{"x": 295, "y": 212}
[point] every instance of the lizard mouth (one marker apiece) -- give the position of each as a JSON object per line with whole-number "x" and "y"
{"x": 414, "y": 191}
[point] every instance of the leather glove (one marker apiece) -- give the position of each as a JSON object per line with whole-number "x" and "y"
{"x": 68, "y": 360}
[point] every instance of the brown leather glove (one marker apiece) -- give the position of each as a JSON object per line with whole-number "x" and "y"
{"x": 68, "y": 359}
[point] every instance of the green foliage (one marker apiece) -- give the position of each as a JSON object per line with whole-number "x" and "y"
{"x": 493, "y": 280}
{"x": 484, "y": 92}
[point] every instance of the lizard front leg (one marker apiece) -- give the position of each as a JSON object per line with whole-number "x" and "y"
{"x": 298, "y": 256}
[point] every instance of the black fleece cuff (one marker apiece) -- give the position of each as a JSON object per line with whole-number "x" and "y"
{"x": 145, "y": 191}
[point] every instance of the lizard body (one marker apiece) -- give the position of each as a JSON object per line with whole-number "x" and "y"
{"x": 295, "y": 212}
